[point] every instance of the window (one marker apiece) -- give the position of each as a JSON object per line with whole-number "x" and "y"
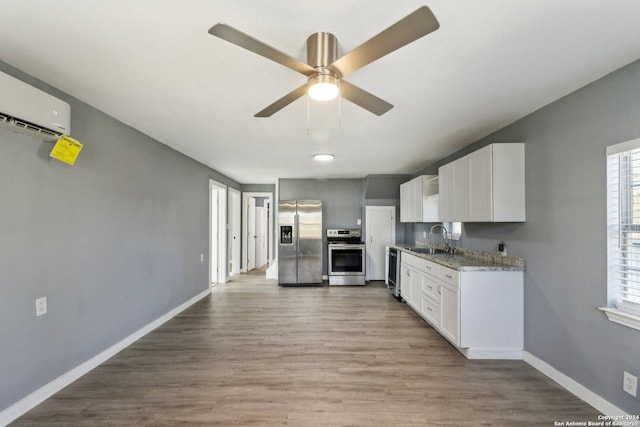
{"x": 455, "y": 229}
{"x": 623, "y": 233}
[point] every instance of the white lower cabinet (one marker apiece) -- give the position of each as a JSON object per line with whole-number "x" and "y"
{"x": 479, "y": 312}
{"x": 450, "y": 315}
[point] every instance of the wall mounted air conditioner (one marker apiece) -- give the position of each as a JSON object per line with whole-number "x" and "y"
{"x": 26, "y": 109}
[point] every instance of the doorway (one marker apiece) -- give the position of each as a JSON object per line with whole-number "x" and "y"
{"x": 380, "y": 223}
{"x": 218, "y": 232}
{"x": 262, "y": 235}
{"x": 257, "y": 216}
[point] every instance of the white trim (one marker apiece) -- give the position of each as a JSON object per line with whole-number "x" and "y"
{"x": 622, "y": 318}
{"x": 21, "y": 407}
{"x": 222, "y": 261}
{"x": 577, "y": 389}
{"x": 623, "y": 146}
{"x": 492, "y": 353}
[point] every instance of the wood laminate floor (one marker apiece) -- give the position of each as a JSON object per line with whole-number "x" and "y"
{"x": 255, "y": 354}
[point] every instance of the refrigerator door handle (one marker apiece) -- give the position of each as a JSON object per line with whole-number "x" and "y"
{"x": 296, "y": 237}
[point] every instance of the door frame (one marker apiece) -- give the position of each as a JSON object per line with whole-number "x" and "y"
{"x": 245, "y": 200}
{"x": 384, "y": 209}
{"x": 220, "y": 241}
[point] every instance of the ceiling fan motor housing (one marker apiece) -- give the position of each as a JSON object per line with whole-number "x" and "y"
{"x": 322, "y": 50}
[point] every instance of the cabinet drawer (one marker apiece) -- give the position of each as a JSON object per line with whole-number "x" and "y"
{"x": 430, "y": 267}
{"x": 449, "y": 276}
{"x": 430, "y": 310}
{"x": 430, "y": 286}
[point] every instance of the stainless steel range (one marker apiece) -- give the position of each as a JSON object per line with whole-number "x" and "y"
{"x": 346, "y": 253}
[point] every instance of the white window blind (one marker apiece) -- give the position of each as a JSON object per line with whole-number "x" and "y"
{"x": 623, "y": 226}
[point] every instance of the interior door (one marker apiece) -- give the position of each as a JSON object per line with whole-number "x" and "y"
{"x": 234, "y": 232}
{"x": 261, "y": 237}
{"x": 251, "y": 234}
{"x": 380, "y": 222}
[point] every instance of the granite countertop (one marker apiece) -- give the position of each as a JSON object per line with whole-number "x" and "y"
{"x": 467, "y": 259}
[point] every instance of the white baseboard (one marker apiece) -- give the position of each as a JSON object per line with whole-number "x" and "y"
{"x": 580, "y": 391}
{"x": 492, "y": 353}
{"x": 21, "y": 407}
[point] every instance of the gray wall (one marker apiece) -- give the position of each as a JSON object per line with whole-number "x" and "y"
{"x": 341, "y": 202}
{"x": 113, "y": 242}
{"x": 564, "y": 238}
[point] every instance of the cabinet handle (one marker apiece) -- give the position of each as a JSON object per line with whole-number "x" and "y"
{"x": 448, "y": 276}
{"x": 428, "y": 267}
{"x": 409, "y": 273}
{"x": 429, "y": 308}
{"x": 440, "y": 289}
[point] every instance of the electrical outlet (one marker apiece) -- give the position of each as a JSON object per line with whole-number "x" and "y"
{"x": 41, "y": 306}
{"x": 201, "y": 257}
{"x": 424, "y": 234}
{"x": 630, "y": 384}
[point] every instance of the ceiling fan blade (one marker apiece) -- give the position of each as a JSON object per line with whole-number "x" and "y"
{"x": 364, "y": 99}
{"x": 241, "y": 39}
{"x": 283, "y": 102}
{"x": 410, "y": 28}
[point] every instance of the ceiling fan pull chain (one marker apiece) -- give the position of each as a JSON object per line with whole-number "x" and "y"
{"x": 308, "y": 115}
{"x": 339, "y": 106}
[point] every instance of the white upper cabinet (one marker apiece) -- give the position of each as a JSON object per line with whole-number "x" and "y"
{"x": 485, "y": 186}
{"x": 454, "y": 179}
{"x": 480, "y": 185}
{"x": 460, "y": 189}
{"x": 419, "y": 200}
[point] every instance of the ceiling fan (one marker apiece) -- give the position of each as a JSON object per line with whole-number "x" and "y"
{"x": 325, "y": 72}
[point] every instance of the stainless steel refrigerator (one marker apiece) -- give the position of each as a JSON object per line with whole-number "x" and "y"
{"x": 299, "y": 242}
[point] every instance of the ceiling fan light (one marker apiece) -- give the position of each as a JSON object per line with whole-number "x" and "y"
{"x": 323, "y": 87}
{"x": 323, "y": 157}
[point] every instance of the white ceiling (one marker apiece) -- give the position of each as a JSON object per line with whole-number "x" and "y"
{"x": 152, "y": 65}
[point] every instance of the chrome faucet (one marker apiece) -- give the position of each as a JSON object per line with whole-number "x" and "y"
{"x": 445, "y": 234}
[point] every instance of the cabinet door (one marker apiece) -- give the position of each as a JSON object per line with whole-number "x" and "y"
{"x": 404, "y": 202}
{"x": 460, "y": 190}
{"x": 416, "y": 290}
{"x": 405, "y": 282}
{"x": 450, "y": 313}
{"x": 480, "y": 185}
{"x": 416, "y": 191}
{"x": 445, "y": 176}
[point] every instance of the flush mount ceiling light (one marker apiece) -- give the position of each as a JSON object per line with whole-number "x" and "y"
{"x": 324, "y": 157}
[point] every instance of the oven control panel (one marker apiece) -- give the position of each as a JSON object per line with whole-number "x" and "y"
{"x": 343, "y": 233}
